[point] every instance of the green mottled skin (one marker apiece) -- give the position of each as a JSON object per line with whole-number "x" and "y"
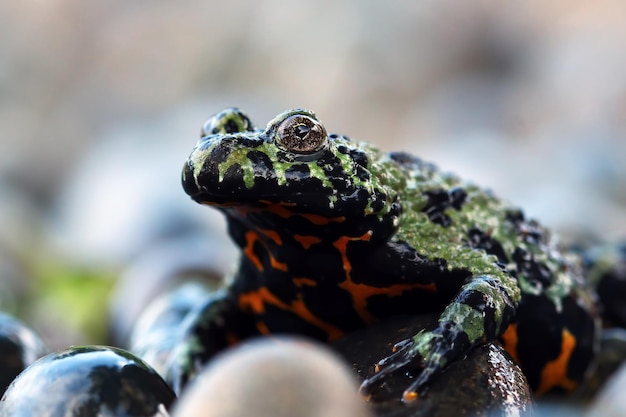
{"x": 483, "y": 210}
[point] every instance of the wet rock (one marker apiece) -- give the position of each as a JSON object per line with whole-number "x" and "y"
{"x": 158, "y": 328}
{"x": 486, "y": 383}
{"x": 274, "y": 377}
{"x": 19, "y": 347}
{"x": 87, "y": 381}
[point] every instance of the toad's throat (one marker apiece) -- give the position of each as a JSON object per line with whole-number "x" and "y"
{"x": 258, "y": 251}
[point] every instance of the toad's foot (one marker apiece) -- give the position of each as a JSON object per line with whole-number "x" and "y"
{"x": 425, "y": 355}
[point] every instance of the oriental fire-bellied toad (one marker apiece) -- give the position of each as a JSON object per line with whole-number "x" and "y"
{"x": 336, "y": 235}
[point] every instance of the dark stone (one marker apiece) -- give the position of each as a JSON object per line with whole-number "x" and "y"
{"x": 158, "y": 328}
{"x": 88, "y": 381}
{"x": 486, "y": 383}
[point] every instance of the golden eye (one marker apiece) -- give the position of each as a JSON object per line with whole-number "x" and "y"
{"x": 301, "y": 134}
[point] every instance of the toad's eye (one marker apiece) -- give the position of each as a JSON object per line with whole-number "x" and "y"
{"x": 231, "y": 120}
{"x": 301, "y": 134}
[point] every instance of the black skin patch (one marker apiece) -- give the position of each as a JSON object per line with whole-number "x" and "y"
{"x": 378, "y": 200}
{"x": 359, "y": 158}
{"x": 248, "y": 143}
{"x": 301, "y": 171}
{"x": 534, "y": 271}
{"x": 261, "y": 163}
{"x": 611, "y": 280}
{"x": 480, "y": 240}
{"x": 331, "y": 166}
{"x": 236, "y": 173}
{"x": 529, "y": 230}
{"x": 441, "y": 200}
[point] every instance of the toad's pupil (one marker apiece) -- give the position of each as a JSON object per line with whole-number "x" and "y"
{"x": 301, "y": 131}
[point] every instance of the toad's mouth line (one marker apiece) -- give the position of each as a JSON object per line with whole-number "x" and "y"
{"x": 245, "y": 197}
{"x": 283, "y": 209}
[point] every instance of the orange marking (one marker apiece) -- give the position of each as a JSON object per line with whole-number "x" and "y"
{"x": 278, "y": 209}
{"x": 262, "y": 328}
{"x": 275, "y": 237}
{"x": 320, "y": 220}
{"x": 302, "y": 281}
{"x": 256, "y": 301}
{"x": 281, "y": 210}
{"x": 281, "y": 266}
{"x": 554, "y": 373}
{"x": 251, "y": 238}
{"x": 509, "y": 341}
{"x": 409, "y": 396}
{"x": 361, "y": 292}
{"x": 306, "y": 241}
{"x": 232, "y": 338}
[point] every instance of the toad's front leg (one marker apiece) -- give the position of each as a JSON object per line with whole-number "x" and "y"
{"x": 480, "y": 312}
{"x": 206, "y": 331}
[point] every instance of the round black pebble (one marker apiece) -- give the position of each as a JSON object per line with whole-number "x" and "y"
{"x": 19, "y": 347}
{"x": 87, "y": 381}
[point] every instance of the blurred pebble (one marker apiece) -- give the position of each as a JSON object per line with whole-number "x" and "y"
{"x": 158, "y": 328}
{"x": 13, "y": 286}
{"x": 20, "y": 219}
{"x": 486, "y": 382}
{"x": 611, "y": 401}
{"x": 88, "y": 381}
{"x": 189, "y": 259}
{"x": 278, "y": 377}
{"x": 125, "y": 195}
{"x": 19, "y": 347}
{"x": 19, "y": 244}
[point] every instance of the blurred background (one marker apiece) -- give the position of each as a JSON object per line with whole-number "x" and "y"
{"x": 102, "y": 101}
